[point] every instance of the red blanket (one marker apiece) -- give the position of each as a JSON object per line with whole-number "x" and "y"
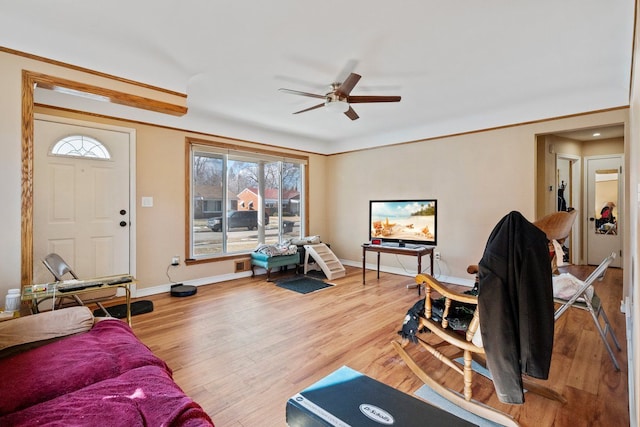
{"x": 145, "y": 396}
{"x": 102, "y": 377}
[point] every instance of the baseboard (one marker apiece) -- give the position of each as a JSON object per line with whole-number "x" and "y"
{"x": 166, "y": 288}
{"x": 399, "y": 271}
{"x": 120, "y": 292}
{"x": 631, "y": 374}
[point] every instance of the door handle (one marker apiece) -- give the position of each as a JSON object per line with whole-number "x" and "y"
{"x": 123, "y": 223}
{"x": 592, "y": 219}
{"x": 123, "y": 212}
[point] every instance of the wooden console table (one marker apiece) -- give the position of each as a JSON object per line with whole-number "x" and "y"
{"x": 418, "y": 251}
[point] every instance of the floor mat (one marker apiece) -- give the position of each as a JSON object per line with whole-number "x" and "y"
{"x": 120, "y": 311}
{"x": 428, "y": 394}
{"x": 303, "y": 284}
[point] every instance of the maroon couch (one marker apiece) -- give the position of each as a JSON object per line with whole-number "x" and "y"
{"x": 102, "y": 376}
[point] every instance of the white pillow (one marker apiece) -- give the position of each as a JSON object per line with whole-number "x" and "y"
{"x": 308, "y": 240}
{"x": 43, "y": 326}
{"x": 566, "y": 285}
{"x": 477, "y": 337}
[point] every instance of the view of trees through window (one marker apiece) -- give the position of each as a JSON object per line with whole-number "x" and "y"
{"x": 240, "y": 200}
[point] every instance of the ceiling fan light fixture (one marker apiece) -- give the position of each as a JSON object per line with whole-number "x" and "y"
{"x": 339, "y": 98}
{"x": 337, "y": 106}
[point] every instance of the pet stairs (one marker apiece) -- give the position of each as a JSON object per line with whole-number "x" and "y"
{"x": 325, "y": 259}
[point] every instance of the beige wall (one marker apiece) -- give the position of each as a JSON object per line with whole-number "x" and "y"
{"x": 160, "y": 173}
{"x": 603, "y": 147}
{"x": 10, "y": 175}
{"x": 570, "y": 146}
{"x": 632, "y": 285}
{"x": 552, "y": 146}
{"x": 477, "y": 178}
{"x": 549, "y": 148}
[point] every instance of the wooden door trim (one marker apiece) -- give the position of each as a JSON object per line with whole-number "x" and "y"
{"x": 30, "y": 80}
{"x": 622, "y": 218}
{"x": 28, "y": 86}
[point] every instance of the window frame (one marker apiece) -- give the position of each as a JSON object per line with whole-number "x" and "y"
{"x": 226, "y": 149}
{"x": 97, "y": 151}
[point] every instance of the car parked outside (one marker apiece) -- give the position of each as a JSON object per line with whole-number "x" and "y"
{"x": 237, "y": 219}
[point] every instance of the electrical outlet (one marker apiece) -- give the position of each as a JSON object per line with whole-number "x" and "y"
{"x": 436, "y": 255}
{"x": 175, "y": 260}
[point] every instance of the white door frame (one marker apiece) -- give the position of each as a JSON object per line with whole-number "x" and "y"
{"x": 619, "y": 261}
{"x": 132, "y": 177}
{"x": 576, "y": 194}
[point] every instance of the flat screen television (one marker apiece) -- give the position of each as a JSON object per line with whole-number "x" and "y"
{"x": 404, "y": 222}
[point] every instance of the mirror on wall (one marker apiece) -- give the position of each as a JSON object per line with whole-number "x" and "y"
{"x": 605, "y": 210}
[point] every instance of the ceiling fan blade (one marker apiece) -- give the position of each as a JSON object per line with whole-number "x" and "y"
{"x": 297, "y": 92}
{"x": 318, "y": 87}
{"x": 310, "y": 108}
{"x": 347, "y": 86}
{"x": 351, "y": 114}
{"x": 372, "y": 98}
{"x": 347, "y": 70}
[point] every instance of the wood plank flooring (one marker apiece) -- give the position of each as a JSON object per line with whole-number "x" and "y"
{"x": 241, "y": 348}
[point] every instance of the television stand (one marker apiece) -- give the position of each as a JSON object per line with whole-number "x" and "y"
{"x": 401, "y": 245}
{"x": 412, "y": 250}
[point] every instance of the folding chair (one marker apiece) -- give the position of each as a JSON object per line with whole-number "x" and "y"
{"x": 59, "y": 268}
{"x": 56, "y": 265}
{"x": 584, "y": 297}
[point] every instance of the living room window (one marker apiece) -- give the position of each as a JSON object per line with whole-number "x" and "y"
{"x": 239, "y": 199}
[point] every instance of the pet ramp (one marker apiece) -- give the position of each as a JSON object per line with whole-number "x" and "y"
{"x": 325, "y": 259}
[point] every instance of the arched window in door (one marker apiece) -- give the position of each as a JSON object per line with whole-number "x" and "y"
{"x": 81, "y": 146}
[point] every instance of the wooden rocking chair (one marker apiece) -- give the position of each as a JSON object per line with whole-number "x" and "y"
{"x": 557, "y": 226}
{"x": 467, "y": 349}
{"x": 468, "y": 345}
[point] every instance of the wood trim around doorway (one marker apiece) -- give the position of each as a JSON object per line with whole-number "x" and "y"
{"x": 31, "y": 80}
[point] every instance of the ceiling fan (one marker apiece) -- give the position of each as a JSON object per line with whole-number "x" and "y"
{"x": 338, "y": 98}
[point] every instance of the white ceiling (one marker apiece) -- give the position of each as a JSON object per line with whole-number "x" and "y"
{"x": 458, "y": 65}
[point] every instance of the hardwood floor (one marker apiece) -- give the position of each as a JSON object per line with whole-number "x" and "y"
{"x": 242, "y": 348}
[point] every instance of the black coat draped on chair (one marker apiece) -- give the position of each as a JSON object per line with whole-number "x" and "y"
{"x": 515, "y": 300}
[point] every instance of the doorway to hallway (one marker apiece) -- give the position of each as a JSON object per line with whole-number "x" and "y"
{"x": 562, "y": 172}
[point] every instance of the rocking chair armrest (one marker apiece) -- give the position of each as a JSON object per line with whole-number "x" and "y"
{"x": 450, "y": 336}
{"x": 432, "y": 283}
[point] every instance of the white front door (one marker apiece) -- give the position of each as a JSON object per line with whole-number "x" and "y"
{"x": 81, "y": 207}
{"x": 604, "y": 188}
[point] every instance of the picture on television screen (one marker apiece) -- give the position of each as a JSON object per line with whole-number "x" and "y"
{"x": 404, "y": 221}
